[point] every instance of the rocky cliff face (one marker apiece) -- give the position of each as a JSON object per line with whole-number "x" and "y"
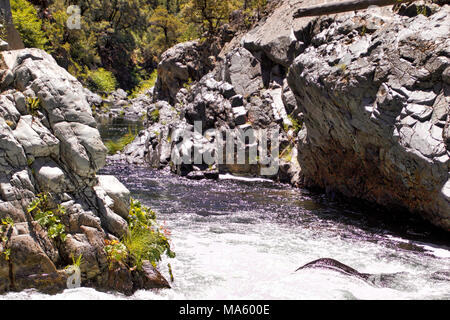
{"x": 369, "y": 90}
{"x": 374, "y": 91}
{"x": 49, "y": 145}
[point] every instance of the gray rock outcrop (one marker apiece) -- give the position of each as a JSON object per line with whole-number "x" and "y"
{"x": 49, "y": 144}
{"x": 375, "y": 100}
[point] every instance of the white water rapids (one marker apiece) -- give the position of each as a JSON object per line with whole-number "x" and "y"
{"x": 245, "y": 239}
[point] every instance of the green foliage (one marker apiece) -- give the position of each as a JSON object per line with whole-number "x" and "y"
{"x": 5, "y": 226}
{"x": 363, "y": 30}
{"x": 187, "y": 85}
{"x": 123, "y": 37}
{"x": 49, "y": 219}
{"x": 115, "y": 146}
{"x": 154, "y": 115}
{"x": 167, "y": 28}
{"x": 296, "y": 125}
{"x": 102, "y": 80}
{"x": 422, "y": 9}
{"x": 170, "y": 272}
{"x": 145, "y": 85}
{"x": 116, "y": 252}
{"x": 342, "y": 67}
{"x": 76, "y": 263}
{"x": 33, "y": 106}
{"x": 6, "y": 253}
{"x": 286, "y": 155}
{"x": 2, "y": 28}
{"x": 146, "y": 239}
{"x": 208, "y": 15}
{"x": 28, "y": 24}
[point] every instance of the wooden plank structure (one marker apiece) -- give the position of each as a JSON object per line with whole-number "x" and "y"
{"x": 344, "y": 6}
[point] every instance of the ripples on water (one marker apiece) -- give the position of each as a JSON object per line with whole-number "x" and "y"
{"x": 244, "y": 240}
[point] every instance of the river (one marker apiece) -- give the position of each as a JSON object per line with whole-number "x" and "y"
{"x": 244, "y": 239}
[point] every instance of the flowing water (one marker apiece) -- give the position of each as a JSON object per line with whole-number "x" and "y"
{"x": 244, "y": 239}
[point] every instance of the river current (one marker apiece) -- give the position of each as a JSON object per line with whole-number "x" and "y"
{"x": 245, "y": 239}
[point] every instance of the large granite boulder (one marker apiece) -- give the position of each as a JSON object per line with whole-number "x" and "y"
{"x": 375, "y": 97}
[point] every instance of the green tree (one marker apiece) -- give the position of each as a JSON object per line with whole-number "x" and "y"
{"x": 209, "y": 14}
{"x": 168, "y": 27}
{"x": 28, "y": 24}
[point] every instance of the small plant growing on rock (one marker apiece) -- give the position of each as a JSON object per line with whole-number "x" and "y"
{"x": 187, "y": 85}
{"x": 5, "y": 226}
{"x": 363, "y": 30}
{"x": 76, "y": 262}
{"x": 49, "y": 219}
{"x": 296, "y": 125}
{"x": 154, "y": 115}
{"x": 342, "y": 67}
{"x": 33, "y": 105}
{"x": 422, "y": 9}
{"x": 74, "y": 272}
{"x": 286, "y": 155}
{"x": 116, "y": 252}
{"x": 146, "y": 240}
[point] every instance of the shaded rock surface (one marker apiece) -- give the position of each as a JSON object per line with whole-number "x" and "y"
{"x": 49, "y": 143}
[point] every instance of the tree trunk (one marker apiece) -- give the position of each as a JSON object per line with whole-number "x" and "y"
{"x": 12, "y": 36}
{"x": 344, "y": 6}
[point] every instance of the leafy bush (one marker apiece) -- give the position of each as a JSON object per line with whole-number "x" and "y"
{"x": 28, "y": 24}
{"x": 147, "y": 240}
{"x": 116, "y": 252}
{"x": 49, "y": 219}
{"x": 102, "y": 80}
